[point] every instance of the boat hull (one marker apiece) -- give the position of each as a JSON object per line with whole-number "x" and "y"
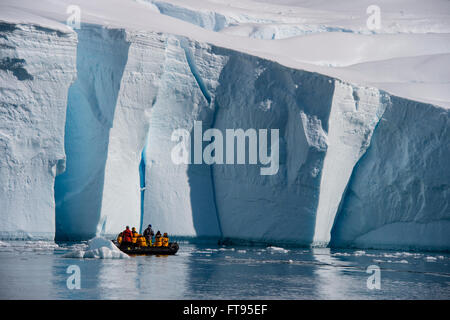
{"x": 151, "y": 250}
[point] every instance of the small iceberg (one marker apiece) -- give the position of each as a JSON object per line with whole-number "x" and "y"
{"x": 4, "y": 244}
{"x": 98, "y": 248}
{"x": 277, "y": 250}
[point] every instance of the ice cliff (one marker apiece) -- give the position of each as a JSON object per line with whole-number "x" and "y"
{"x": 86, "y": 118}
{"x": 37, "y": 66}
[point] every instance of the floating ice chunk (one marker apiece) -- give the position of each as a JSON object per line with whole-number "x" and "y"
{"x": 98, "y": 248}
{"x": 343, "y": 254}
{"x": 30, "y": 246}
{"x": 242, "y": 251}
{"x": 226, "y": 249}
{"x": 4, "y": 244}
{"x": 277, "y": 250}
{"x": 430, "y": 258}
{"x": 359, "y": 253}
{"x": 76, "y": 254}
{"x": 41, "y": 245}
{"x": 401, "y": 261}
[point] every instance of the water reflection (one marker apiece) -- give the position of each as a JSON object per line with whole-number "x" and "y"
{"x": 214, "y": 272}
{"x": 118, "y": 279}
{"x": 331, "y": 282}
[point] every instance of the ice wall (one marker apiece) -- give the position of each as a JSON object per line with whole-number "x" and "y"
{"x": 37, "y": 66}
{"x": 121, "y": 203}
{"x": 398, "y": 195}
{"x": 357, "y": 166}
{"x": 256, "y": 93}
{"x": 325, "y": 126}
{"x": 106, "y": 131}
{"x": 101, "y": 58}
{"x": 179, "y": 198}
{"x": 355, "y": 111}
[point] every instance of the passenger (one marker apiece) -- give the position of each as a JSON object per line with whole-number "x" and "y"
{"x": 165, "y": 240}
{"x": 158, "y": 241}
{"x": 119, "y": 238}
{"x": 127, "y": 236}
{"x": 135, "y": 235}
{"x": 148, "y": 234}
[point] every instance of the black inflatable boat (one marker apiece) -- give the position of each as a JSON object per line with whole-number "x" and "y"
{"x": 170, "y": 250}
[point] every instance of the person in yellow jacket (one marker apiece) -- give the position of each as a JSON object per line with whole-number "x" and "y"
{"x": 135, "y": 235}
{"x": 158, "y": 240}
{"x": 165, "y": 240}
{"x": 119, "y": 238}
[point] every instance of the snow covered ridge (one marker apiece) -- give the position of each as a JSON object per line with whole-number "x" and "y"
{"x": 266, "y": 19}
{"x": 357, "y": 165}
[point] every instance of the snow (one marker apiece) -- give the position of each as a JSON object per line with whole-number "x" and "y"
{"x": 98, "y": 248}
{"x": 363, "y": 120}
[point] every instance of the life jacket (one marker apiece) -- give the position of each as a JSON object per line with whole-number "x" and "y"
{"x": 127, "y": 236}
{"x": 165, "y": 241}
{"x": 141, "y": 242}
{"x": 135, "y": 235}
{"x": 119, "y": 238}
{"x": 158, "y": 242}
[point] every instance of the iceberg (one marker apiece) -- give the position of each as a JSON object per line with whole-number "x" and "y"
{"x": 87, "y": 118}
{"x": 98, "y": 248}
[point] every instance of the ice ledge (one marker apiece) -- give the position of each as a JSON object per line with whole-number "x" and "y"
{"x": 23, "y": 235}
{"x": 406, "y": 235}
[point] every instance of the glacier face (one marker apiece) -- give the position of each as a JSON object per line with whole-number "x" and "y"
{"x": 398, "y": 195}
{"x": 180, "y": 198}
{"x": 33, "y": 100}
{"x": 101, "y": 58}
{"x": 356, "y": 164}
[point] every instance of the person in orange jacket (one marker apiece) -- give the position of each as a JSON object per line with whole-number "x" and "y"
{"x": 127, "y": 236}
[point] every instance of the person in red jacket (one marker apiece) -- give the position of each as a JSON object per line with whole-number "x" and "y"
{"x": 127, "y": 236}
